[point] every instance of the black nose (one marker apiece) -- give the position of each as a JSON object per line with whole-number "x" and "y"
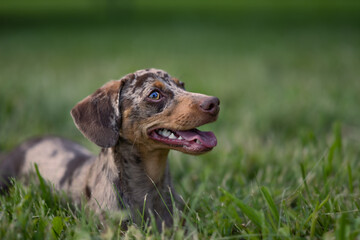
{"x": 210, "y": 105}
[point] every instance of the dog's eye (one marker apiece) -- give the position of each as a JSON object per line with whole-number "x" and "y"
{"x": 155, "y": 95}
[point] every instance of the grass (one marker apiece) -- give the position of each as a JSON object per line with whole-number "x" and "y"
{"x": 287, "y": 161}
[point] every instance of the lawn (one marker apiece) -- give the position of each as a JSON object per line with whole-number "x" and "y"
{"x": 288, "y": 156}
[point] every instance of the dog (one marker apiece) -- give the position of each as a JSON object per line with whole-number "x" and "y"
{"x": 136, "y": 121}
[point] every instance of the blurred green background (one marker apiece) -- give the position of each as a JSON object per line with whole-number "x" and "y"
{"x": 282, "y": 69}
{"x": 285, "y": 72}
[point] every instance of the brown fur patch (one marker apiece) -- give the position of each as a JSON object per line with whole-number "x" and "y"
{"x": 178, "y": 82}
{"x": 175, "y": 80}
{"x": 158, "y": 84}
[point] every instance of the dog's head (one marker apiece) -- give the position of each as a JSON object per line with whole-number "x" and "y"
{"x": 151, "y": 108}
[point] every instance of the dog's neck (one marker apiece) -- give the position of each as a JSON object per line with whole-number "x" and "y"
{"x": 138, "y": 174}
{"x": 130, "y": 157}
{"x": 136, "y": 170}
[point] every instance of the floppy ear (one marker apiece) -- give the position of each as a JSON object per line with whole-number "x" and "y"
{"x": 98, "y": 115}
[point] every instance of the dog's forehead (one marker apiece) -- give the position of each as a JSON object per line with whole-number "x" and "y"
{"x": 148, "y": 77}
{"x": 152, "y": 71}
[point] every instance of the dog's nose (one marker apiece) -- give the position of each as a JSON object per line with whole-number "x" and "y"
{"x": 210, "y": 105}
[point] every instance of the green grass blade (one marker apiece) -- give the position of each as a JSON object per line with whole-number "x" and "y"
{"x": 57, "y": 226}
{"x": 43, "y": 186}
{"x": 161, "y": 197}
{"x": 254, "y": 215}
{"x": 270, "y": 202}
{"x": 351, "y": 186}
{"x": 143, "y": 211}
{"x": 324, "y": 201}
{"x": 303, "y": 174}
{"x": 341, "y": 227}
{"x": 314, "y": 217}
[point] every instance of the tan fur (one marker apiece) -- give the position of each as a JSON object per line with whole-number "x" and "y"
{"x": 131, "y": 166}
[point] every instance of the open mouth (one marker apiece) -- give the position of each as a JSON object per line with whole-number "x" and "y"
{"x": 193, "y": 141}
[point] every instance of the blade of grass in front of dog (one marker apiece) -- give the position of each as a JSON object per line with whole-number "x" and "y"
{"x": 254, "y": 215}
{"x": 47, "y": 195}
{"x": 176, "y": 216}
{"x": 270, "y": 202}
{"x": 118, "y": 195}
{"x": 42, "y": 181}
{"x": 122, "y": 201}
{"x": 57, "y": 226}
{"x": 153, "y": 226}
{"x": 162, "y": 199}
{"x": 143, "y": 212}
{"x": 129, "y": 219}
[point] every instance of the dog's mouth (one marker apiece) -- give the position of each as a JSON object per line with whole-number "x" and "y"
{"x": 190, "y": 141}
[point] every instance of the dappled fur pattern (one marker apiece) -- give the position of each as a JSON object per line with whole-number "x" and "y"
{"x": 131, "y": 167}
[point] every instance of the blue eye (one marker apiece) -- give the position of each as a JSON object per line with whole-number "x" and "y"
{"x": 154, "y": 95}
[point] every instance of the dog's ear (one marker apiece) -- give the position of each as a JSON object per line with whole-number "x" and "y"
{"x": 98, "y": 115}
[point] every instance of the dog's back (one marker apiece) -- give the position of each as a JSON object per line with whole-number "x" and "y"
{"x": 62, "y": 162}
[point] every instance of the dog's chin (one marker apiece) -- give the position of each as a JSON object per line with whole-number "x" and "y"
{"x": 191, "y": 151}
{"x": 191, "y": 141}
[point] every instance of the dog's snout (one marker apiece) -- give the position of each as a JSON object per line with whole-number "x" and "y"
{"x": 210, "y": 105}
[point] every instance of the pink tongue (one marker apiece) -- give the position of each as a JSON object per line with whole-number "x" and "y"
{"x": 207, "y": 139}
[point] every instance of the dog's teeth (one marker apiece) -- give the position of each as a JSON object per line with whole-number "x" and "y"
{"x": 172, "y": 136}
{"x": 166, "y": 133}
{"x": 180, "y": 138}
{"x": 197, "y": 141}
